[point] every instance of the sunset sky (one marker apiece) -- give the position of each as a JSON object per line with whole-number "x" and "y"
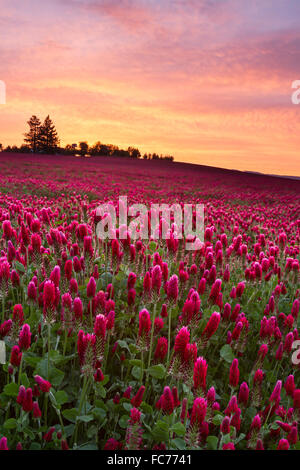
{"x": 208, "y": 81}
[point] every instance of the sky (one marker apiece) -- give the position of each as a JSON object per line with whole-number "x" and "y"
{"x": 208, "y": 81}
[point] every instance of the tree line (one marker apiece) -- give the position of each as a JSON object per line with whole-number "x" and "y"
{"x": 43, "y": 138}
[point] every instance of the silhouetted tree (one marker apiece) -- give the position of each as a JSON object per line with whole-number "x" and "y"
{"x": 134, "y": 152}
{"x": 69, "y": 150}
{"x": 105, "y": 150}
{"x": 113, "y": 150}
{"x": 121, "y": 153}
{"x": 48, "y": 136}
{"x": 24, "y": 149}
{"x": 1, "y": 147}
{"x": 44, "y": 137}
{"x": 32, "y": 137}
{"x": 83, "y": 148}
{"x": 95, "y": 150}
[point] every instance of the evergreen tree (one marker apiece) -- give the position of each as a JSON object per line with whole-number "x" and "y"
{"x": 48, "y": 136}
{"x": 32, "y": 137}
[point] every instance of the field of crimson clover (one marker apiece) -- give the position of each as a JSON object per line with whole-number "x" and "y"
{"x": 140, "y": 344}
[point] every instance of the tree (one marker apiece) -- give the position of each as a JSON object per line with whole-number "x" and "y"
{"x": 24, "y": 149}
{"x": 69, "y": 150}
{"x": 113, "y": 150}
{"x": 49, "y": 140}
{"x": 104, "y": 150}
{"x": 1, "y": 147}
{"x": 83, "y": 148}
{"x": 134, "y": 152}
{"x": 121, "y": 153}
{"x": 32, "y": 137}
{"x": 95, "y": 150}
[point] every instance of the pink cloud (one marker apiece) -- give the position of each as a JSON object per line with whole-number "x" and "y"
{"x": 183, "y": 77}
{"x": 131, "y": 15}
